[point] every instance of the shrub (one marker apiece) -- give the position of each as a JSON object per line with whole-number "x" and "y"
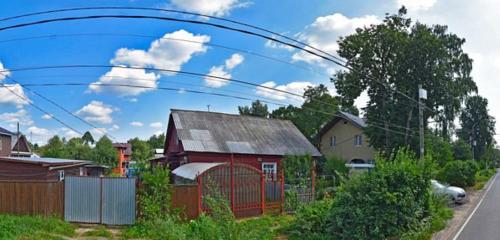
{"x": 27, "y": 227}
{"x": 459, "y": 173}
{"x": 155, "y": 194}
{"x": 386, "y": 203}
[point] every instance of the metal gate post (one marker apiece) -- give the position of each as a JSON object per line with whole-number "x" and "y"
{"x": 232, "y": 183}
{"x": 200, "y": 198}
{"x": 100, "y": 200}
{"x": 282, "y": 191}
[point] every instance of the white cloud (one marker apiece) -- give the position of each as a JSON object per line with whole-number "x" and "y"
{"x": 3, "y": 72}
{"x": 294, "y": 87}
{"x": 134, "y": 100}
{"x": 96, "y": 111}
{"x": 273, "y": 44}
{"x": 126, "y": 76}
{"x": 156, "y": 125}
{"x": 324, "y": 33}
{"x": 69, "y": 134}
{"x": 164, "y": 53}
{"x": 47, "y": 116}
{"x": 222, "y": 71}
{"x": 21, "y": 116}
{"x": 158, "y": 133}
{"x": 8, "y": 97}
{"x": 417, "y": 5}
{"x": 114, "y": 128}
{"x": 136, "y": 124}
{"x": 209, "y": 7}
{"x": 39, "y": 135}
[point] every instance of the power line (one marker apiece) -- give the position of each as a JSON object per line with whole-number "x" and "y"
{"x": 170, "y": 71}
{"x": 238, "y": 50}
{"x": 59, "y": 106}
{"x": 174, "y": 11}
{"x": 38, "y": 108}
{"x": 168, "y": 19}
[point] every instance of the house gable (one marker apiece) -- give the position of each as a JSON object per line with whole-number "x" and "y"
{"x": 345, "y": 139}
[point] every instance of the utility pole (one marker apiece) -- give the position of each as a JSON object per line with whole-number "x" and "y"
{"x": 208, "y": 107}
{"x": 422, "y": 94}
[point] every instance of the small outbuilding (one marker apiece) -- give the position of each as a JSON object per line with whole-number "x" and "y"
{"x": 40, "y": 169}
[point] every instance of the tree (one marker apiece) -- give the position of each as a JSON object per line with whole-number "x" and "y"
{"x": 389, "y": 61}
{"x": 87, "y": 138}
{"x": 461, "y": 150}
{"x": 257, "y": 109}
{"x": 157, "y": 141}
{"x": 318, "y": 108}
{"x": 75, "y": 148}
{"x": 439, "y": 148}
{"x": 104, "y": 153}
{"x": 477, "y": 125}
{"x": 54, "y": 148}
{"x": 141, "y": 151}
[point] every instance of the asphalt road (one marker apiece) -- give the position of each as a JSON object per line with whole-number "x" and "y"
{"x": 484, "y": 223}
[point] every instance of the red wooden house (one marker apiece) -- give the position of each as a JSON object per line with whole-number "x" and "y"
{"x": 199, "y": 136}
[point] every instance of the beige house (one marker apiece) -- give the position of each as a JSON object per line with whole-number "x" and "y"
{"x": 343, "y": 137}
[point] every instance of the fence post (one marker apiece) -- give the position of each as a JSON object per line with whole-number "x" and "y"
{"x": 313, "y": 182}
{"x": 262, "y": 192}
{"x": 200, "y": 198}
{"x": 282, "y": 191}
{"x": 232, "y": 183}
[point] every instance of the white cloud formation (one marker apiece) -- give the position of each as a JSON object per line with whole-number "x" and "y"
{"x": 3, "y": 72}
{"x": 325, "y": 31}
{"x": 21, "y": 116}
{"x": 98, "y": 132}
{"x": 97, "y": 112}
{"x": 114, "y": 127}
{"x": 158, "y": 133}
{"x": 69, "y": 134}
{"x": 134, "y": 100}
{"x": 222, "y": 71}
{"x": 47, "y": 116}
{"x": 39, "y": 135}
{"x": 417, "y": 5}
{"x": 164, "y": 53}
{"x": 7, "y": 95}
{"x": 136, "y": 124}
{"x": 294, "y": 87}
{"x": 209, "y": 7}
{"x": 126, "y": 76}
{"x": 156, "y": 125}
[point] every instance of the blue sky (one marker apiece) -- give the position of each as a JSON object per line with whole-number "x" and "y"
{"x": 125, "y": 112}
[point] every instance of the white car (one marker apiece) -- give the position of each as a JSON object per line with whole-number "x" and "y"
{"x": 456, "y": 194}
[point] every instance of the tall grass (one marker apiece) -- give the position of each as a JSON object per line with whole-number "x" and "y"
{"x": 27, "y": 227}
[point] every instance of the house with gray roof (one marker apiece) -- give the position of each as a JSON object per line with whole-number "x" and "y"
{"x": 211, "y": 137}
{"x": 344, "y": 137}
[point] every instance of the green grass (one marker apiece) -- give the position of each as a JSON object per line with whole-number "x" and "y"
{"x": 99, "y": 232}
{"x": 27, "y": 227}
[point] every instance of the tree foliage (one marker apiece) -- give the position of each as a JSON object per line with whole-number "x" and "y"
{"x": 257, "y": 109}
{"x": 461, "y": 150}
{"x": 156, "y": 141}
{"x": 389, "y": 61}
{"x": 141, "y": 150}
{"x": 104, "y": 153}
{"x": 318, "y": 108}
{"x": 88, "y": 138}
{"x": 477, "y": 125}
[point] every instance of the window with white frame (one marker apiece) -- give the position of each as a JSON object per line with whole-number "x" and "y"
{"x": 269, "y": 169}
{"x": 333, "y": 141}
{"x": 358, "y": 140}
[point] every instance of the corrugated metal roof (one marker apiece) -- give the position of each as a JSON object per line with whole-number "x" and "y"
{"x": 355, "y": 119}
{"x": 202, "y": 131}
{"x": 52, "y": 161}
{"x": 192, "y": 170}
{"x": 5, "y": 131}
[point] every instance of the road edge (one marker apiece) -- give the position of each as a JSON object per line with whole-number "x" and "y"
{"x": 474, "y": 209}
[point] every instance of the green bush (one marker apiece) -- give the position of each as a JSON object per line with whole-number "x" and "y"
{"x": 459, "y": 173}
{"x": 155, "y": 195}
{"x": 386, "y": 203}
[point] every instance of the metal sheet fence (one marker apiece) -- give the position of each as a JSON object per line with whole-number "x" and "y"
{"x": 100, "y": 200}
{"x": 118, "y": 201}
{"x": 32, "y": 198}
{"x": 82, "y": 198}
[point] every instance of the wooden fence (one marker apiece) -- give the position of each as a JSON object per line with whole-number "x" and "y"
{"x": 32, "y": 198}
{"x": 186, "y": 198}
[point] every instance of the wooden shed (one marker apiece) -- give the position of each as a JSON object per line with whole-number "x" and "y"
{"x": 200, "y": 136}
{"x": 40, "y": 169}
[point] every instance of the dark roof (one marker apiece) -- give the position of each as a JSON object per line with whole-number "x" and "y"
{"x": 4, "y": 131}
{"x": 43, "y": 161}
{"x": 202, "y": 131}
{"x": 126, "y": 146}
{"x": 355, "y": 120}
